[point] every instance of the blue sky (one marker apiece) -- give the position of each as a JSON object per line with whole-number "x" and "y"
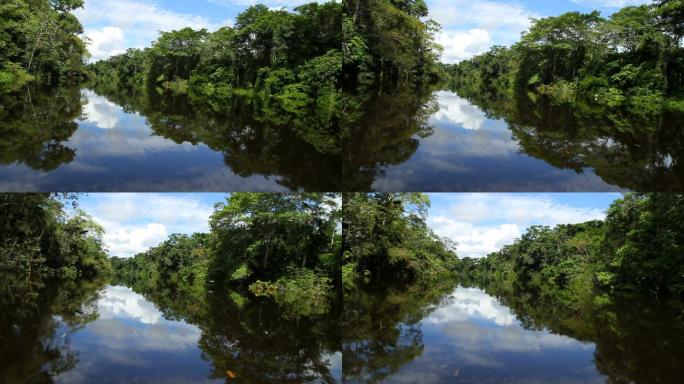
{"x": 470, "y": 27}
{"x": 482, "y": 223}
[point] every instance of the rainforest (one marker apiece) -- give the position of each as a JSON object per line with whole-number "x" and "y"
{"x": 330, "y": 287}
{"x": 242, "y": 97}
{"x": 581, "y": 102}
{"x": 281, "y": 191}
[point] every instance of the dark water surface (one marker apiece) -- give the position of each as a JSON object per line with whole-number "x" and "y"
{"x": 78, "y": 140}
{"x": 82, "y": 333}
{"x": 116, "y": 335}
{"x": 415, "y": 140}
{"x": 465, "y": 335}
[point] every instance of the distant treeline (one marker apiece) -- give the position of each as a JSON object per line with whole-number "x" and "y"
{"x": 294, "y": 57}
{"x": 634, "y": 58}
{"x": 282, "y": 245}
{"x": 39, "y": 39}
{"x": 290, "y": 246}
{"x": 286, "y": 65}
{"x": 638, "y": 249}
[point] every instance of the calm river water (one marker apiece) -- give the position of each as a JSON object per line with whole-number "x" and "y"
{"x": 78, "y": 140}
{"x": 443, "y": 142}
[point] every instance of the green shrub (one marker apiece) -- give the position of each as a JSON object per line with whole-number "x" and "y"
{"x": 302, "y": 292}
{"x": 13, "y": 77}
{"x": 561, "y": 91}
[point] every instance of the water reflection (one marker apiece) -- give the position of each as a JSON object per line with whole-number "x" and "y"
{"x": 417, "y": 140}
{"x": 119, "y": 335}
{"x": 466, "y": 336}
{"x": 473, "y": 337}
{"x": 66, "y": 139}
{"x": 132, "y": 341}
{"x": 446, "y": 334}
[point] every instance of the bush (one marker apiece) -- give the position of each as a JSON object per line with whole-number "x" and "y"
{"x": 302, "y": 291}
{"x": 13, "y": 77}
{"x": 177, "y": 86}
{"x": 561, "y": 91}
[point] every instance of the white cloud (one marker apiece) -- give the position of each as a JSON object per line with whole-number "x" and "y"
{"x": 470, "y": 27}
{"x": 122, "y": 302}
{"x": 457, "y": 110}
{"x": 116, "y": 306}
{"x": 459, "y": 46}
{"x": 476, "y": 241}
{"x": 113, "y": 25}
{"x": 484, "y": 223}
{"x": 469, "y": 303}
{"x": 269, "y": 3}
{"x": 127, "y": 241}
{"x": 105, "y": 42}
{"x": 100, "y": 111}
{"x": 135, "y": 222}
{"x": 488, "y": 14}
{"x": 460, "y": 318}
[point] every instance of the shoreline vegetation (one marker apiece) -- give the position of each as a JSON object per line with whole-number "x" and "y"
{"x": 325, "y": 261}
{"x": 285, "y": 65}
{"x": 285, "y": 246}
{"x": 295, "y": 63}
{"x": 633, "y": 59}
{"x": 303, "y": 249}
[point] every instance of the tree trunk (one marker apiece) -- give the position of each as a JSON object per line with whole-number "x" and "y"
{"x": 33, "y": 52}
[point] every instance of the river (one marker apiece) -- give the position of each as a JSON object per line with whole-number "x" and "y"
{"x": 441, "y": 141}
{"x": 466, "y": 335}
{"x": 118, "y": 336}
{"x": 445, "y": 333}
{"x": 71, "y": 139}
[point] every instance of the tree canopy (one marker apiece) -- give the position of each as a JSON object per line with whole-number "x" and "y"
{"x": 386, "y": 237}
{"x": 637, "y": 248}
{"x": 40, "y": 240}
{"x": 40, "y": 39}
{"x": 634, "y": 58}
{"x": 388, "y": 41}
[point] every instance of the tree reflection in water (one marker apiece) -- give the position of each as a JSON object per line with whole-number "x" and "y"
{"x": 626, "y": 149}
{"x": 255, "y": 140}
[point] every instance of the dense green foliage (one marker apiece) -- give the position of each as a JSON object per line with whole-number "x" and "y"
{"x": 388, "y": 41}
{"x": 282, "y": 245}
{"x": 288, "y": 65}
{"x": 52, "y": 264}
{"x": 276, "y": 243}
{"x": 634, "y": 58}
{"x": 272, "y": 51}
{"x": 180, "y": 260}
{"x": 39, "y": 39}
{"x": 386, "y": 238}
{"x": 637, "y": 249}
{"x": 39, "y": 240}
